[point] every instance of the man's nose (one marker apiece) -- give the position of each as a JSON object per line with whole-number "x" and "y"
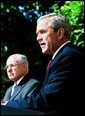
{"x": 9, "y": 69}
{"x": 39, "y": 38}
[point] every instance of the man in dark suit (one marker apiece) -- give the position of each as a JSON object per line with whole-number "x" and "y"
{"x": 62, "y": 87}
{"x": 17, "y": 68}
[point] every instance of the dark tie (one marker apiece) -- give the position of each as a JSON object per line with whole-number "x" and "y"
{"x": 48, "y": 66}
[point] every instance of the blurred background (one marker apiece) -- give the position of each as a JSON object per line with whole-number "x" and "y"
{"x": 18, "y": 27}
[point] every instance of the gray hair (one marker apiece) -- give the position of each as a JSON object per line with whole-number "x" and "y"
{"x": 21, "y": 58}
{"x": 56, "y": 22}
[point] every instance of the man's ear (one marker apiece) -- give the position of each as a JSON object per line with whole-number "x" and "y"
{"x": 60, "y": 33}
{"x": 24, "y": 65}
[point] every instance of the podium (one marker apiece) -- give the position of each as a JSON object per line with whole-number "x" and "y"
{"x": 16, "y": 111}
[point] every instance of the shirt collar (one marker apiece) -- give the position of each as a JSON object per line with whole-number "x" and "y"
{"x": 19, "y": 80}
{"x": 59, "y": 49}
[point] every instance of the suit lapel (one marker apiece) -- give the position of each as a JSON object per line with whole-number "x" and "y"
{"x": 17, "y": 91}
{"x": 19, "y": 87}
{"x": 8, "y": 94}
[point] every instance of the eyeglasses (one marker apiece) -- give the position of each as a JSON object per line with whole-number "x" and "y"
{"x": 11, "y": 66}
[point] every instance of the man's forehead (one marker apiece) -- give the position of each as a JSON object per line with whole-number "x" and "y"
{"x": 12, "y": 59}
{"x": 42, "y": 23}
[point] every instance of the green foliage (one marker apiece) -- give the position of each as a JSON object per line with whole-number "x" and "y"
{"x": 74, "y": 11}
{"x": 55, "y": 7}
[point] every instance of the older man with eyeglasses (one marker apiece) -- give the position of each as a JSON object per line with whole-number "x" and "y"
{"x": 17, "y": 67}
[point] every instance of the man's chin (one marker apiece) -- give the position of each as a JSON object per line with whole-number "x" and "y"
{"x": 44, "y": 52}
{"x": 11, "y": 78}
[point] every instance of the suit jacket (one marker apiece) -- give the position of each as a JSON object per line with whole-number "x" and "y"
{"x": 25, "y": 88}
{"x": 62, "y": 89}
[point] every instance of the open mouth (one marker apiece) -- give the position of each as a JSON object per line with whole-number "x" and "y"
{"x": 42, "y": 44}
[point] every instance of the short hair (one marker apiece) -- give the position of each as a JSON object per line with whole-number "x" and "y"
{"x": 20, "y": 57}
{"x": 56, "y": 22}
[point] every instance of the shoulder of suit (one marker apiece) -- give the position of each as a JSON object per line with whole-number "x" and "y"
{"x": 33, "y": 81}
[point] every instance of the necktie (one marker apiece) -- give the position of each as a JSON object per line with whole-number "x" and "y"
{"x": 13, "y": 88}
{"x": 48, "y": 66}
